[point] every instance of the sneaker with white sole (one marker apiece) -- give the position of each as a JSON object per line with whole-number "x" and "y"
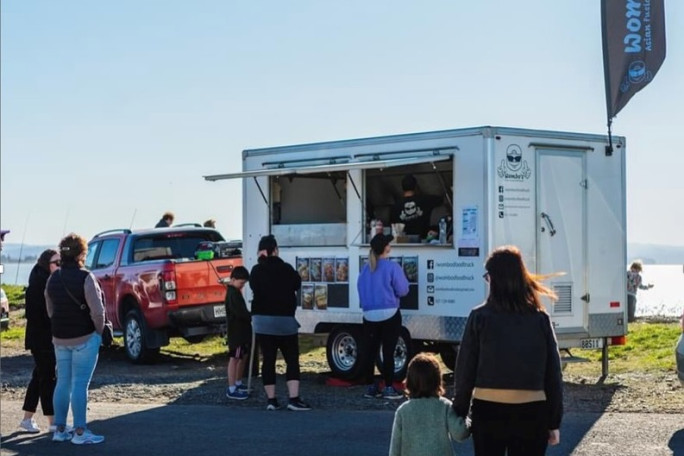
{"x": 61, "y": 436}
{"x": 272, "y": 405}
{"x": 298, "y": 405}
{"x": 243, "y": 387}
{"x": 390, "y": 393}
{"x": 372, "y": 392}
{"x": 237, "y": 394}
{"x": 87, "y": 438}
{"x": 29, "y": 425}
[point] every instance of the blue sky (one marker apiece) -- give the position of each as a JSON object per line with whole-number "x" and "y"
{"x": 113, "y": 111}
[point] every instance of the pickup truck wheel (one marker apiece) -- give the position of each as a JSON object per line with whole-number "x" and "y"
{"x": 134, "y": 339}
{"x": 402, "y": 355}
{"x": 342, "y": 351}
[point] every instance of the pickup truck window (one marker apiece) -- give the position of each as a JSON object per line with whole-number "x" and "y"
{"x": 176, "y": 246}
{"x": 107, "y": 253}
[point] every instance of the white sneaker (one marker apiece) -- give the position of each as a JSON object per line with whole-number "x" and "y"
{"x": 29, "y": 425}
{"x": 61, "y": 436}
{"x": 87, "y": 438}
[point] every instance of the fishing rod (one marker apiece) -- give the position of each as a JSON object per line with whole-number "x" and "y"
{"x": 21, "y": 249}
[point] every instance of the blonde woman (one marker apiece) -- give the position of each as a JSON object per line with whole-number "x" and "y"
{"x": 76, "y": 308}
{"x": 381, "y": 284}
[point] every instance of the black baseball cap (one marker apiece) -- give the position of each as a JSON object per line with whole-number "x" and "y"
{"x": 379, "y": 242}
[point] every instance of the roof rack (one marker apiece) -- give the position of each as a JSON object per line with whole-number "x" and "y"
{"x": 197, "y": 225}
{"x": 116, "y": 230}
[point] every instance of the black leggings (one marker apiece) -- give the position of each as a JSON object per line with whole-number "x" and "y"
{"x": 384, "y": 332}
{"x": 520, "y": 429}
{"x": 289, "y": 347}
{"x": 42, "y": 384}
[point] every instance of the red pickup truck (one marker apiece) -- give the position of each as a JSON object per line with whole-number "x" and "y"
{"x": 163, "y": 282}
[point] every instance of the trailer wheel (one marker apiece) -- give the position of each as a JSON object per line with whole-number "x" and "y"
{"x": 403, "y": 353}
{"x": 134, "y": 339}
{"x": 342, "y": 351}
{"x": 449, "y": 353}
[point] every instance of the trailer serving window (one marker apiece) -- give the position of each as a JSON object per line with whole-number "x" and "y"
{"x": 385, "y": 204}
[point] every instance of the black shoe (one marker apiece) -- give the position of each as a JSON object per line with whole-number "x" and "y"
{"x": 297, "y": 405}
{"x": 272, "y": 404}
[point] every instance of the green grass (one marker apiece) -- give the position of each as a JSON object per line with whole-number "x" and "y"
{"x": 215, "y": 346}
{"x": 650, "y": 347}
{"x": 15, "y": 295}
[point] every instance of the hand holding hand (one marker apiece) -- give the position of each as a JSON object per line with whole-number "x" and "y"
{"x": 554, "y": 437}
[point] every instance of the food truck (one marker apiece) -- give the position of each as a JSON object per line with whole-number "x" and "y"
{"x": 558, "y": 196}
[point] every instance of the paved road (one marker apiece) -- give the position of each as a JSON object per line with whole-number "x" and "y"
{"x": 171, "y": 430}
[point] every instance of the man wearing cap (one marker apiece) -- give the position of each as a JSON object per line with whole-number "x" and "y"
{"x": 274, "y": 284}
{"x": 381, "y": 284}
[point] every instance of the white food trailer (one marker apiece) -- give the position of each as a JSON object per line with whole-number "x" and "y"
{"x": 558, "y": 196}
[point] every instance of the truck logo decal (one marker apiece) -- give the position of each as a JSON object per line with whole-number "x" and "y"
{"x": 514, "y": 167}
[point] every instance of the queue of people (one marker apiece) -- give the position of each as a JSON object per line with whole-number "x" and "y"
{"x": 508, "y": 382}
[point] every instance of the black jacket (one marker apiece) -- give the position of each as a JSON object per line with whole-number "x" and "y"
{"x": 69, "y": 318}
{"x": 38, "y": 330}
{"x": 509, "y": 351}
{"x": 274, "y": 284}
{"x": 239, "y": 320}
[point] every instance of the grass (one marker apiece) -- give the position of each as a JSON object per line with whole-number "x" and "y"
{"x": 650, "y": 347}
{"x": 15, "y": 295}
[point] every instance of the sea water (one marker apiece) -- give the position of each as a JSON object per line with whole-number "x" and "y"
{"x": 665, "y": 298}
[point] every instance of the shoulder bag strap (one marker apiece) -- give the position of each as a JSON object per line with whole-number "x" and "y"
{"x": 79, "y": 303}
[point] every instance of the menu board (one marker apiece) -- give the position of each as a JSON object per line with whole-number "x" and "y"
{"x": 303, "y": 268}
{"x": 307, "y": 295}
{"x": 327, "y": 282}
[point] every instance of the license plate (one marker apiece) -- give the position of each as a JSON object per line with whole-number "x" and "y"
{"x": 219, "y": 311}
{"x": 591, "y": 343}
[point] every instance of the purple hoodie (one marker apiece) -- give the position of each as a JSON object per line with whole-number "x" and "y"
{"x": 382, "y": 288}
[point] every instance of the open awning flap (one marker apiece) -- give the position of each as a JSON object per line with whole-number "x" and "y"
{"x": 366, "y": 164}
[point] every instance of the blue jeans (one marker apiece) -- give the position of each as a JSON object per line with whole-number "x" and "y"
{"x": 75, "y": 367}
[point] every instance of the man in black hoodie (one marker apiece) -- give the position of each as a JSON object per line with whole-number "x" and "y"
{"x": 274, "y": 284}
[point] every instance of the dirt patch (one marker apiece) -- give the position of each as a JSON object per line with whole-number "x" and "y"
{"x": 182, "y": 379}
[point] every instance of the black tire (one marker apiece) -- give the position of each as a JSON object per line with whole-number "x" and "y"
{"x": 342, "y": 351}
{"x": 134, "y": 339}
{"x": 449, "y": 353}
{"x": 403, "y": 353}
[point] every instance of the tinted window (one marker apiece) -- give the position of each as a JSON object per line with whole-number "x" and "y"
{"x": 107, "y": 253}
{"x": 171, "y": 245}
{"x": 90, "y": 257}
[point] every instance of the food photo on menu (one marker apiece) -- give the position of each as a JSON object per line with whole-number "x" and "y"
{"x": 342, "y": 269}
{"x": 315, "y": 269}
{"x": 410, "y": 265}
{"x": 307, "y": 295}
{"x": 321, "y": 296}
{"x": 328, "y": 268}
{"x": 303, "y": 268}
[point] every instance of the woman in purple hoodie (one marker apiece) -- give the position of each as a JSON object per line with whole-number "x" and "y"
{"x": 381, "y": 283}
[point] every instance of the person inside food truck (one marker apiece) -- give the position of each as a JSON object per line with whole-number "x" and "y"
{"x": 414, "y": 208}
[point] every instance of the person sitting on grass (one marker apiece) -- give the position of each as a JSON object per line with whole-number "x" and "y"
{"x": 239, "y": 333}
{"x": 426, "y": 423}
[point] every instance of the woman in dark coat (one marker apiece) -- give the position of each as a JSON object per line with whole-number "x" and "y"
{"x": 38, "y": 339}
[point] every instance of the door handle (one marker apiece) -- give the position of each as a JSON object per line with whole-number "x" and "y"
{"x": 549, "y": 223}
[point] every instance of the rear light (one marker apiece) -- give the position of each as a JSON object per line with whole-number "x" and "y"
{"x": 167, "y": 283}
{"x": 618, "y": 340}
{"x": 614, "y": 303}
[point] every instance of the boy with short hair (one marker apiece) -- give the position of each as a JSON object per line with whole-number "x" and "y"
{"x": 239, "y": 333}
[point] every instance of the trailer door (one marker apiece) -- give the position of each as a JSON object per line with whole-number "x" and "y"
{"x": 561, "y": 234}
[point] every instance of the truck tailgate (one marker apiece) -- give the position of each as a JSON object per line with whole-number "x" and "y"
{"x": 198, "y": 282}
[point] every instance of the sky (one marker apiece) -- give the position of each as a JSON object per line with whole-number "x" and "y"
{"x": 111, "y": 112}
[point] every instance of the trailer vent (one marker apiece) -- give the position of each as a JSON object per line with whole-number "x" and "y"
{"x": 564, "y": 303}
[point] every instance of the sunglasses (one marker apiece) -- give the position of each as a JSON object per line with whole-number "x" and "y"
{"x": 56, "y": 262}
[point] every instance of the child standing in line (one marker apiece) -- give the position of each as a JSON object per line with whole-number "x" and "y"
{"x": 239, "y": 333}
{"x": 426, "y": 423}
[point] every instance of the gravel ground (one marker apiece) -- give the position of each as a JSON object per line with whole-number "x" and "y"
{"x": 180, "y": 379}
